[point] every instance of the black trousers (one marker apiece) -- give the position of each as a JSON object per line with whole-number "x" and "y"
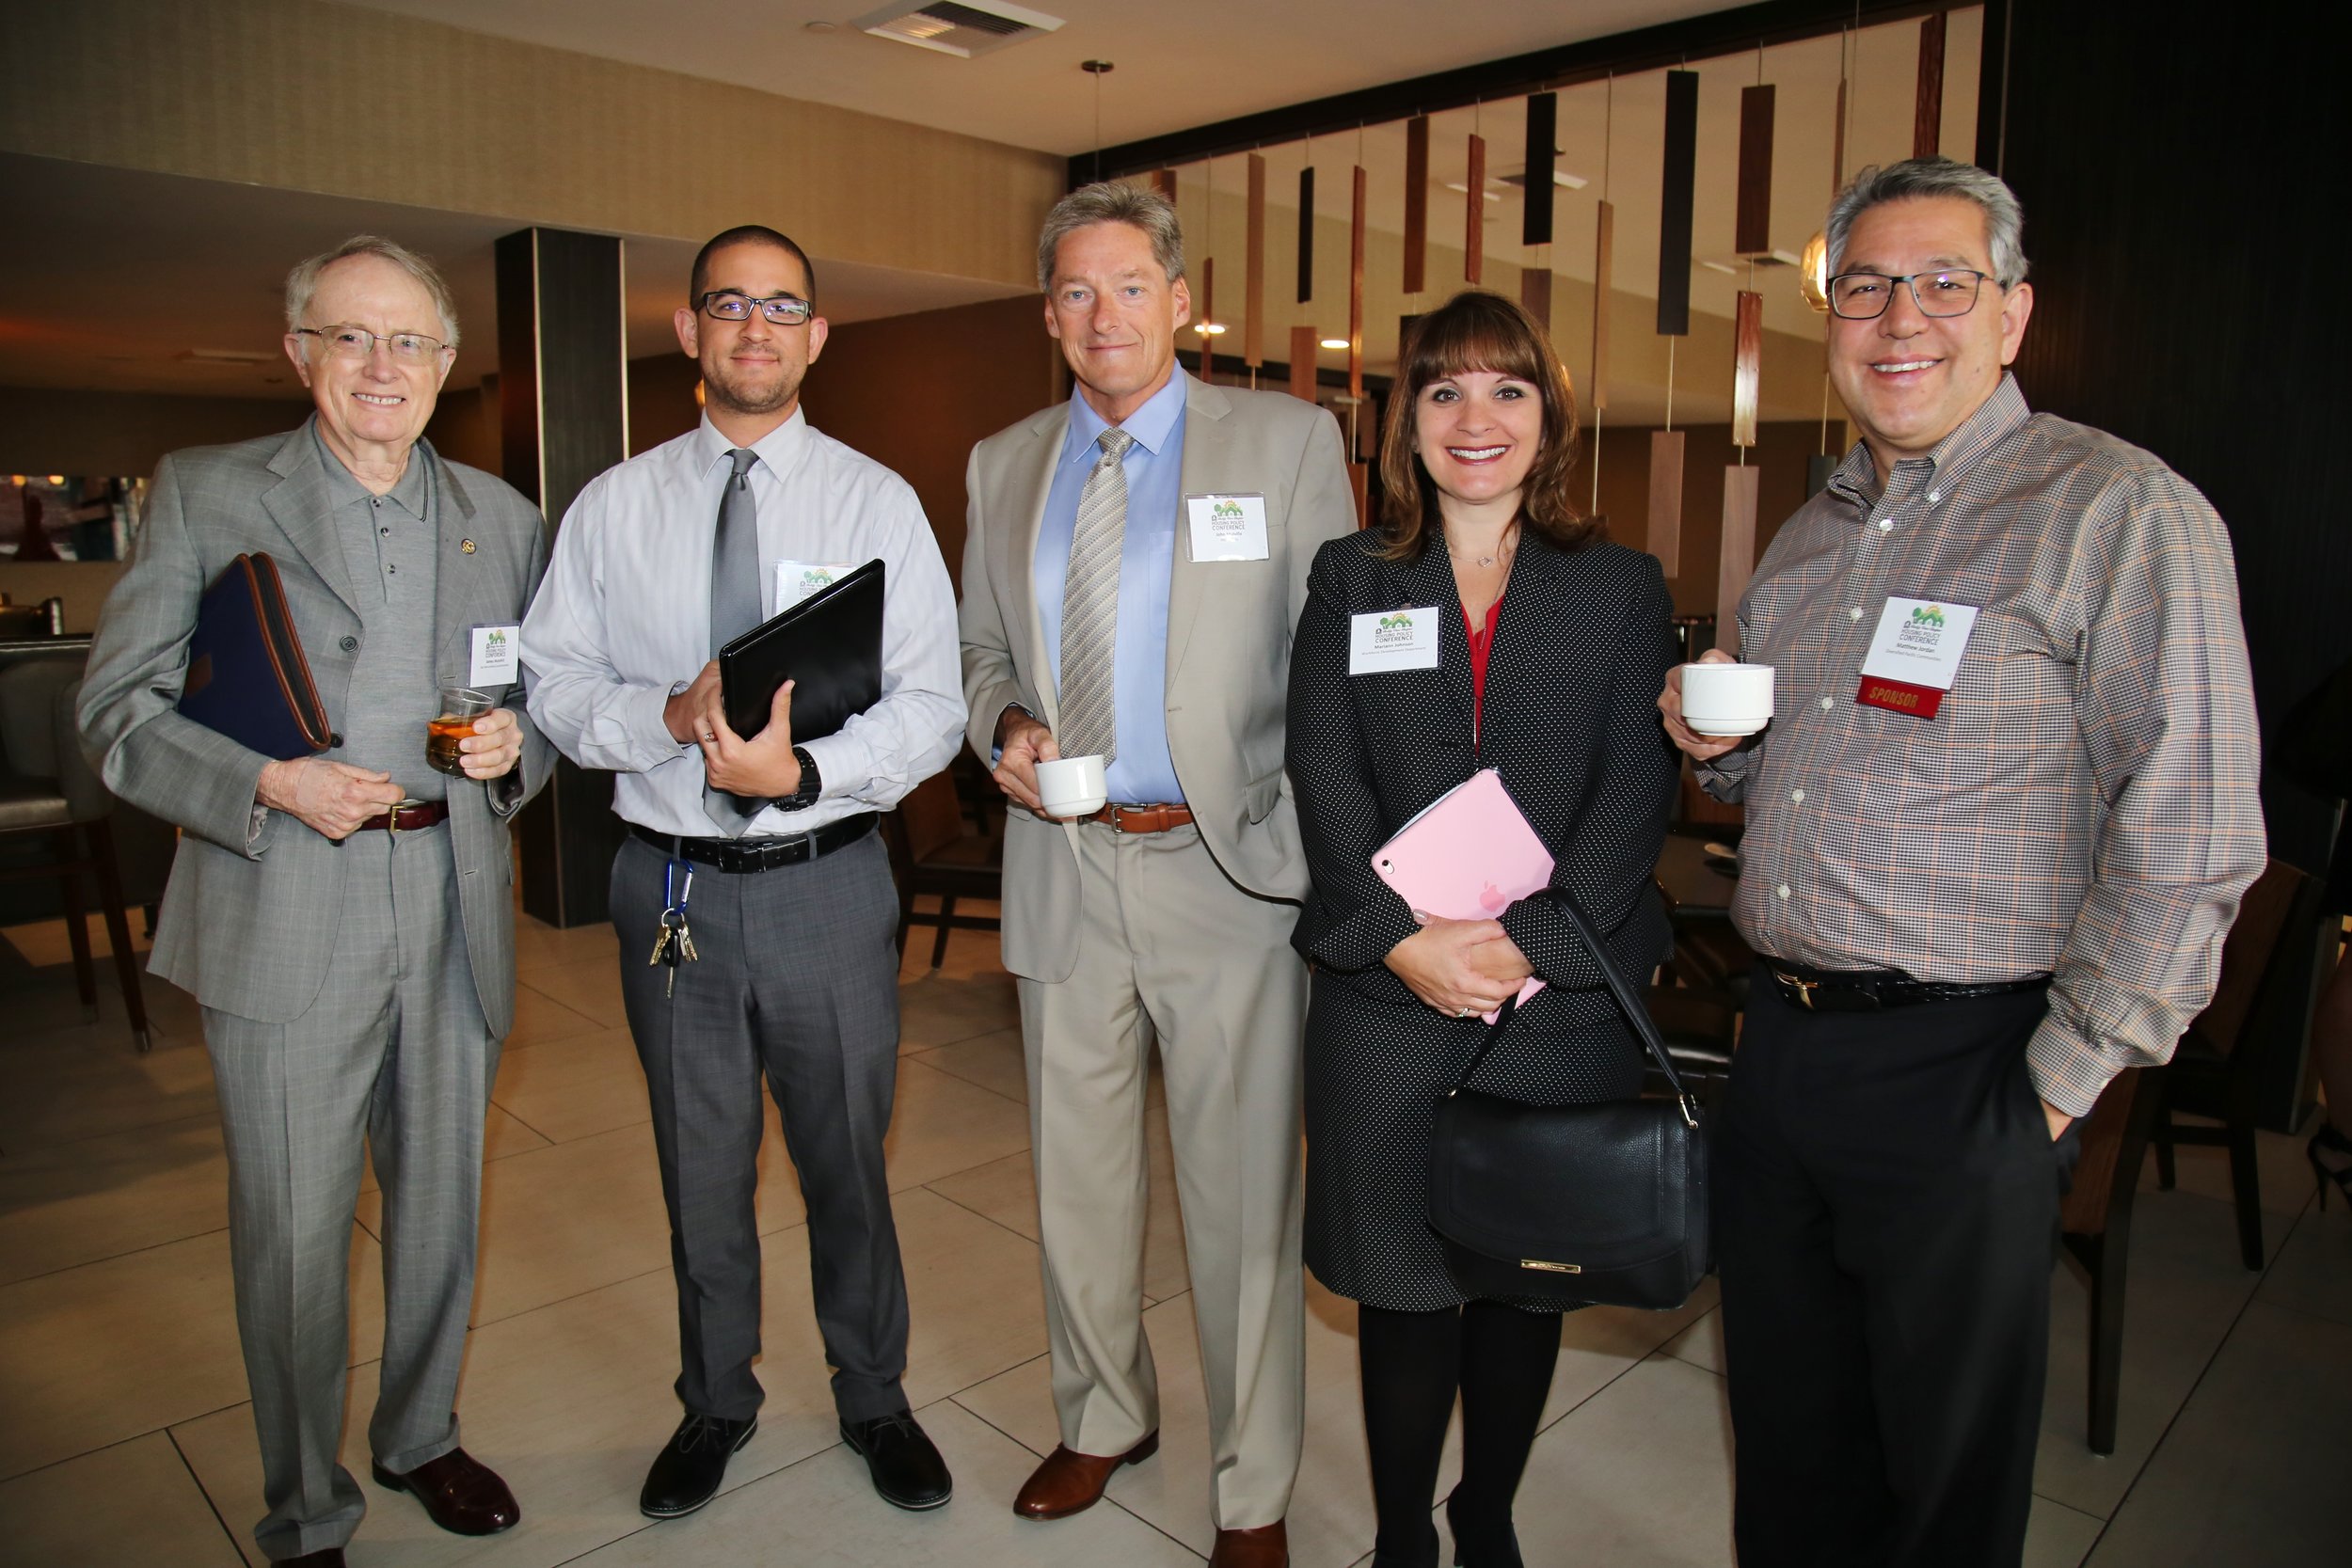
{"x": 1886, "y": 1197}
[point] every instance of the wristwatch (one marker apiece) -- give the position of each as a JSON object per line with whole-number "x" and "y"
{"x": 811, "y": 786}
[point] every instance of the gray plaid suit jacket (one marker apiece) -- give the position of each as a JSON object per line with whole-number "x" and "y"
{"x": 248, "y": 919}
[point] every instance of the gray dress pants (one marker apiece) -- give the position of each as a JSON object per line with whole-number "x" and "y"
{"x": 394, "y": 1051}
{"x": 798, "y": 983}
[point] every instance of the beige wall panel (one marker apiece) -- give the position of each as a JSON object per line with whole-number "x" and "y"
{"x": 329, "y": 98}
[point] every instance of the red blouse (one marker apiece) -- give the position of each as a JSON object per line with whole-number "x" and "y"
{"x": 1481, "y": 642}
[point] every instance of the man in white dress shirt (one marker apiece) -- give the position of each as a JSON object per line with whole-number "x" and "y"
{"x": 793, "y": 969}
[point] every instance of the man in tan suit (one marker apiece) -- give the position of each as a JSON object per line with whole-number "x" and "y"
{"x": 1135, "y": 561}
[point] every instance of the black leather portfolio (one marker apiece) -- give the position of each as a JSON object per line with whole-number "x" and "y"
{"x": 247, "y": 676}
{"x": 829, "y": 646}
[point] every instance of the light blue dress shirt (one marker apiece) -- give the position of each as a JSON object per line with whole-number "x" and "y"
{"x": 1143, "y": 772}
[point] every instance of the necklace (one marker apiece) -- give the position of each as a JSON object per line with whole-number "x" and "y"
{"x": 1503, "y": 551}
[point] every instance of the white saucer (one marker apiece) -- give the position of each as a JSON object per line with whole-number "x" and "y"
{"x": 1724, "y": 729}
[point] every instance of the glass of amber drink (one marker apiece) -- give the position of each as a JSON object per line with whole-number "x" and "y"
{"x": 460, "y": 706}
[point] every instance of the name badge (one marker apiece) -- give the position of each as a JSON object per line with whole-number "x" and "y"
{"x": 1915, "y": 655}
{"x": 1226, "y": 528}
{"x": 1384, "y": 639}
{"x": 797, "y": 579}
{"x": 497, "y": 654}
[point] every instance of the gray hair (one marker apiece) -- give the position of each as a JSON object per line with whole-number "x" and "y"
{"x": 2004, "y": 219}
{"x": 1113, "y": 201}
{"x": 303, "y": 281}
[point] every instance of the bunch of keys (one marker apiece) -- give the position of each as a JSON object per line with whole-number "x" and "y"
{"x": 672, "y": 943}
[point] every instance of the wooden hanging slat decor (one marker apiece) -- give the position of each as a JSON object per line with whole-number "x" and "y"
{"x": 1838, "y": 146}
{"x": 1355, "y": 291}
{"x": 1604, "y": 246}
{"x": 1536, "y": 291}
{"x": 1542, "y": 120}
{"x": 1164, "y": 181}
{"x": 1359, "y": 483}
{"x": 1253, "y": 270}
{"x": 1205, "y": 309}
{"x": 1306, "y": 235}
{"x": 1676, "y": 196}
{"x": 1416, "y": 204}
{"x": 1926, "y": 125}
{"x": 1738, "y": 552}
{"x": 1666, "y": 500}
{"x": 1474, "y": 219}
{"x": 1303, "y": 344}
{"x": 1747, "y": 366}
{"x": 1751, "y": 227}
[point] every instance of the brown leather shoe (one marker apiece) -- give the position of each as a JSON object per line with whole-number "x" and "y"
{"x": 461, "y": 1494}
{"x": 1264, "y": 1546}
{"x": 1070, "y": 1483}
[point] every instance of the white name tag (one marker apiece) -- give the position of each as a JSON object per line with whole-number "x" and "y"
{"x": 797, "y": 579}
{"x": 1919, "y": 642}
{"x": 1226, "y": 528}
{"x": 1386, "y": 640}
{"x": 496, "y": 657}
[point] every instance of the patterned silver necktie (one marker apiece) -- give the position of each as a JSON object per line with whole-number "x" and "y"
{"x": 735, "y": 603}
{"x": 1089, "y": 607}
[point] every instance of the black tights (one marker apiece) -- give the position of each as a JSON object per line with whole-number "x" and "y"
{"x": 1499, "y": 1358}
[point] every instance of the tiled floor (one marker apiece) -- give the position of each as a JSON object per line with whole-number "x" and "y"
{"x": 124, "y": 1437}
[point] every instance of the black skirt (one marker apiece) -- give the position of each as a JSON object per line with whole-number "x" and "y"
{"x": 1374, "y": 1071}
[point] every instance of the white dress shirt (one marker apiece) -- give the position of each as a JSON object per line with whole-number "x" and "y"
{"x": 624, "y": 620}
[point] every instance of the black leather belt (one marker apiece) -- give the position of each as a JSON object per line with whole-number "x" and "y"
{"x": 1822, "y": 991}
{"x": 741, "y": 855}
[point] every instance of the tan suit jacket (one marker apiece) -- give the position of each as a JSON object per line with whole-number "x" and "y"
{"x": 1229, "y": 638}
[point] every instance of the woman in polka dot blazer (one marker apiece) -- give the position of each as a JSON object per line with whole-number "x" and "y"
{"x": 1552, "y": 647}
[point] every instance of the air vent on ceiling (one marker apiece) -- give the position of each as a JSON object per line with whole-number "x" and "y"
{"x": 954, "y": 28}
{"x": 1736, "y": 265}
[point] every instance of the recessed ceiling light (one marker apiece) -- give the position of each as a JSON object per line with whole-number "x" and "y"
{"x": 1335, "y": 342}
{"x": 1208, "y": 330}
{"x": 965, "y": 27}
{"x": 820, "y": 28}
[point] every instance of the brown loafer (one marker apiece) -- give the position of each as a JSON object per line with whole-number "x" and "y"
{"x": 1070, "y": 1483}
{"x": 1263, "y": 1546}
{"x": 461, "y": 1494}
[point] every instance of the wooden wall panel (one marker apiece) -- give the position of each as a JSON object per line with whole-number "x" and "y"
{"x": 1306, "y": 235}
{"x": 1926, "y": 125}
{"x": 1677, "y": 195}
{"x": 1542, "y": 118}
{"x": 1253, "y": 276}
{"x": 1747, "y": 366}
{"x": 1536, "y": 291}
{"x": 1604, "y": 276}
{"x": 1355, "y": 230}
{"x": 1303, "y": 363}
{"x": 1164, "y": 181}
{"x": 1416, "y": 204}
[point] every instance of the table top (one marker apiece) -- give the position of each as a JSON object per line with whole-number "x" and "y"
{"x": 1697, "y": 886}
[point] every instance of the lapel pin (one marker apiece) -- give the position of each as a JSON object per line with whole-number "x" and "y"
{"x": 466, "y": 545}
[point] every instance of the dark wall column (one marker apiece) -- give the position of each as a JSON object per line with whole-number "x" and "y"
{"x": 563, "y": 419}
{"x": 2175, "y": 164}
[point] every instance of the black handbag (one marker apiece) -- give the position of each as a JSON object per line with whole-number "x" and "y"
{"x": 1573, "y": 1204}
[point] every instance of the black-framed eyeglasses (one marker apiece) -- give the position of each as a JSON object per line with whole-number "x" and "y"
{"x": 1864, "y": 295}
{"x": 345, "y": 341}
{"x": 727, "y": 305}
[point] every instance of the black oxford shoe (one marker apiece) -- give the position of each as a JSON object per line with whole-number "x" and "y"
{"x": 687, "y": 1472}
{"x": 464, "y": 1495}
{"x": 905, "y": 1464}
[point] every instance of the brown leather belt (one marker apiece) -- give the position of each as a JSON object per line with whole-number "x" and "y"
{"x": 403, "y": 820}
{"x": 1143, "y": 819}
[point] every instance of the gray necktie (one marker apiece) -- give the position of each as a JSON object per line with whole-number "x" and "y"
{"x": 734, "y": 609}
{"x": 1089, "y": 607}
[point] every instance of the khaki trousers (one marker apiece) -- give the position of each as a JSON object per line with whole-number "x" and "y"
{"x": 1171, "y": 951}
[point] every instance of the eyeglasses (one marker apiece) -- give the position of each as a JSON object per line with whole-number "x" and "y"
{"x": 358, "y": 343}
{"x": 1862, "y": 296}
{"x": 781, "y": 309}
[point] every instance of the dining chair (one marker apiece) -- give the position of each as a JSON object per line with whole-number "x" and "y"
{"x": 2095, "y": 1224}
{"x": 933, "y": 856}
{"x": 51, "y": 791}
{"x": 2261, "y": 1003}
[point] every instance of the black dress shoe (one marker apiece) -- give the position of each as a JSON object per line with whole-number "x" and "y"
{"x": 464, "y": 1495}
{"x": 905, "y": 1464}
{"x": 332, "y": 1558}
{"x": 687, "y": 1472}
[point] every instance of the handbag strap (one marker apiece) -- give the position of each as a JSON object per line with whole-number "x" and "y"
{"x": 1628, "y": 1002}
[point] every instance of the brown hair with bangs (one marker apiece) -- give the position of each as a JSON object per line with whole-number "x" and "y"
{"x": 1478, "y": 331}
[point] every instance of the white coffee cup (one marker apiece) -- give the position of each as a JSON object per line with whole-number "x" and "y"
{"x": 1726, "y": 699}
{"x": 1071, "y": 786}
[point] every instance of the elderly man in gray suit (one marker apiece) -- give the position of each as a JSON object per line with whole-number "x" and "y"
{"x": 1135, "y": 561}
{"x": 345, "y": 919}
